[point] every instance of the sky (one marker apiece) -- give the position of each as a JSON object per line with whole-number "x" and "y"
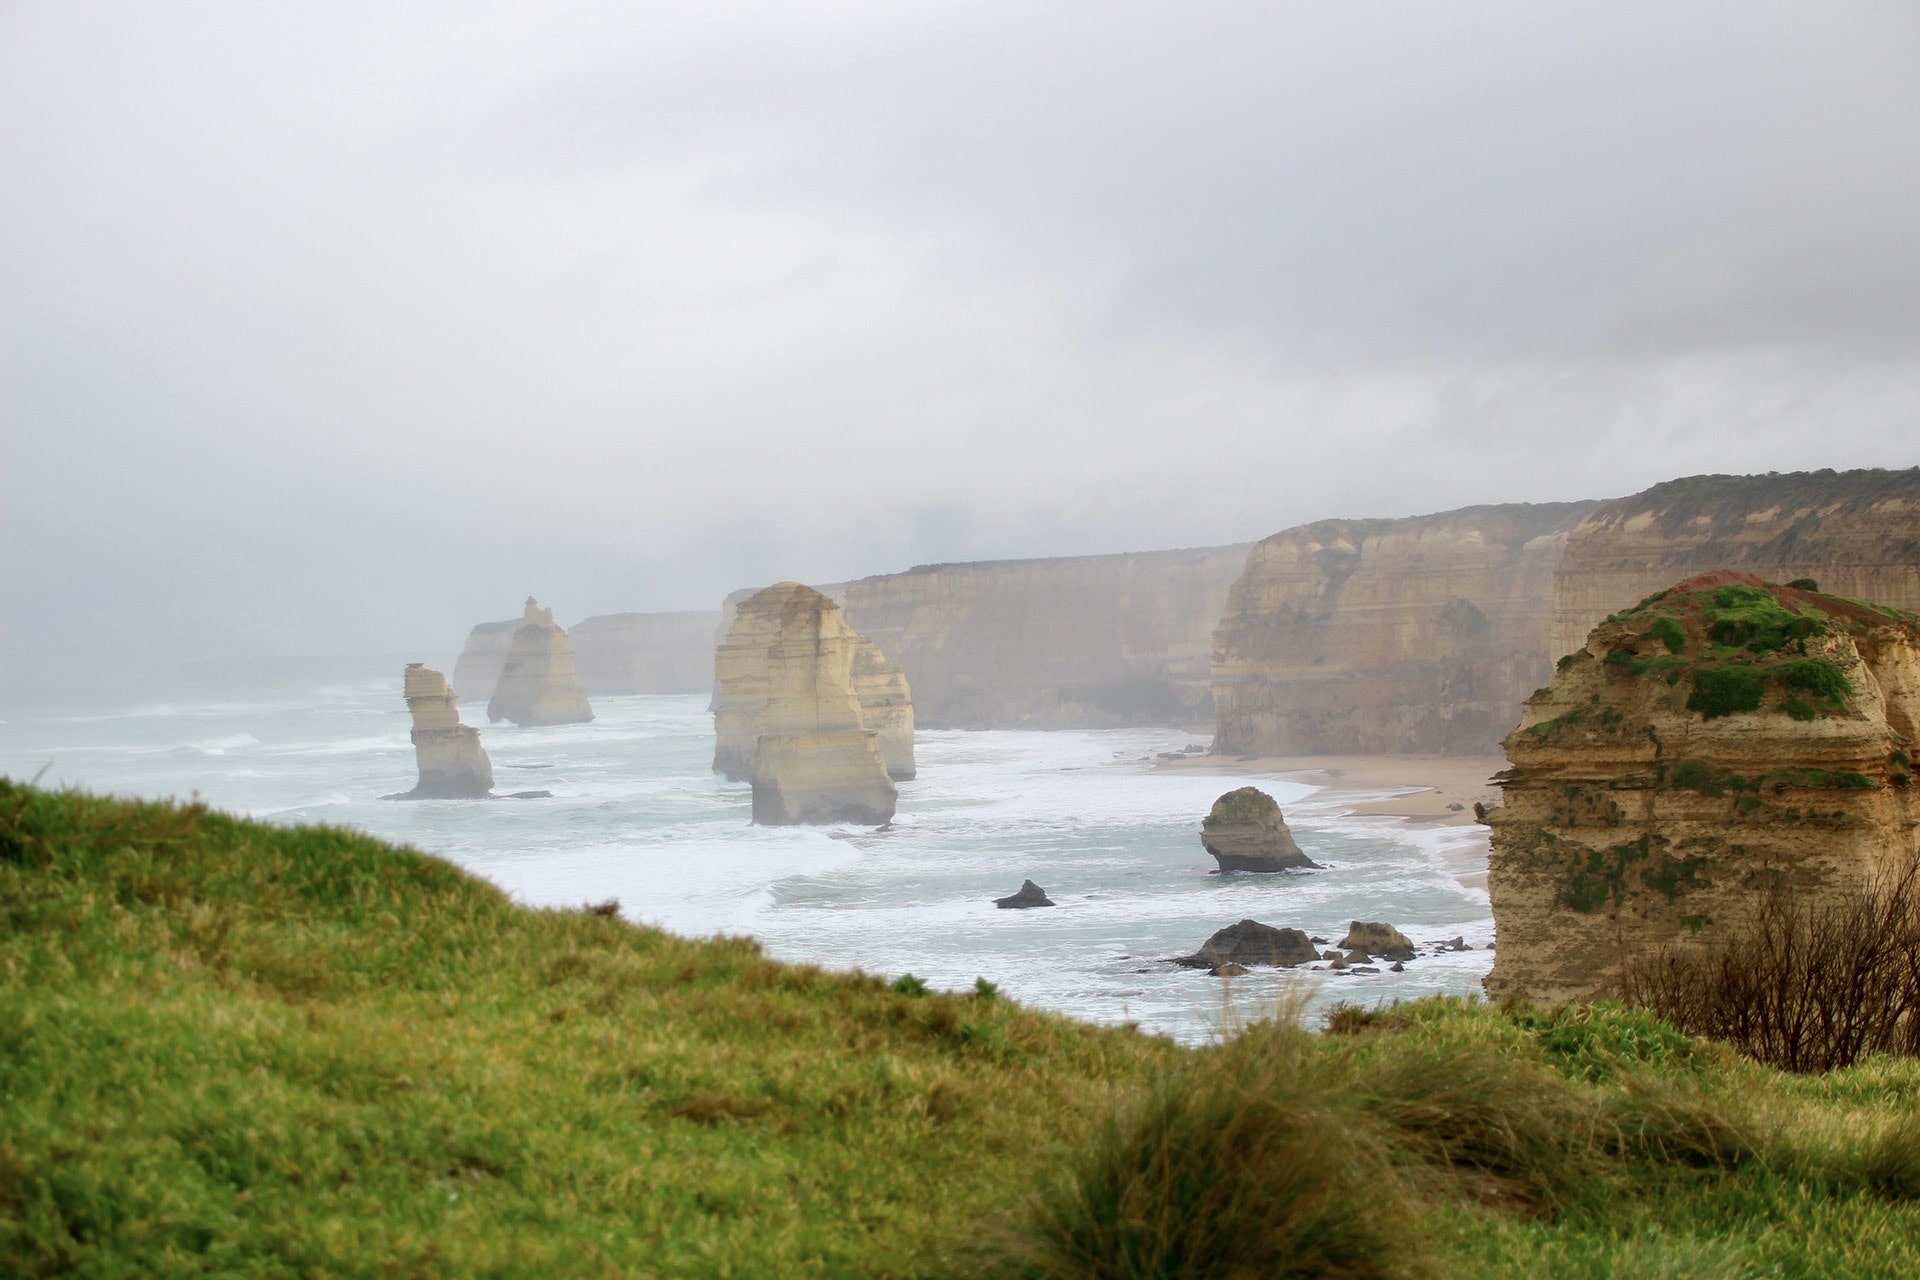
{"x": 336, "y": 328}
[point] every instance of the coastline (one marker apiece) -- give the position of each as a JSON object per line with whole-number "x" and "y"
{"x": 1433, "y": 785}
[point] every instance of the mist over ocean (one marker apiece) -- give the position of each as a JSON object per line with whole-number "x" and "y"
{"x": 637, "y": 815}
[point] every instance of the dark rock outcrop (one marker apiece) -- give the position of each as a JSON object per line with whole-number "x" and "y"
{"x": 1245, "y": 832}
{"x": 1252, "y": 943}
{"x": 1377, "y": 939}
{"x": 1030, "y": 895}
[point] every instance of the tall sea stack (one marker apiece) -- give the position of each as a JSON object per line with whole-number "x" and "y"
{"x": 453, "y": 764}
{"x": 1721, "y": 735}
{"x": 537, "y": 684}
{"x": 788, "y": 715}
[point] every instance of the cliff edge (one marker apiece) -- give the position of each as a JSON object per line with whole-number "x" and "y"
{"x": 1720, "y": 732}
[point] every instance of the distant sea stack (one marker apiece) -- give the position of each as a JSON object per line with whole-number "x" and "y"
{"x": 453, "y": 765}
{"x": 788, "y": 716}
{"x": 614, "y": 653}
{"x": 1378, "y": 637}
{"x": 1722, "y": 734}
{"x": 1069, "y": 642}
{"x": 1245, "y": 832}
{"x": 1855, "y": 533}
{"x": 537, "y": 683}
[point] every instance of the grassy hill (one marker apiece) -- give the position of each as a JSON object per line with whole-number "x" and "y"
{"x": 228, "y": 1048}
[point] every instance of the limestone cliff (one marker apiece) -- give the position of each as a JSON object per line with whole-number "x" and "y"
{"x": 1067, "y": 642}
{"x": 788, "y": 716}
{"x": 453, "y": 765}
{"x": 1418, "y": 636}
{"x": 478, "y": 668}
{"x": 619, "y": 653}
{"x": 537, "y": 683}
{"x": 1856, "y": 533}
{"x": 613, "y": 653}
{"x": 1720, "y": 732}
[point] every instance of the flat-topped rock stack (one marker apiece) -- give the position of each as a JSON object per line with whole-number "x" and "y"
{"x": 788, "y": 714}
{"x": 453, "y": 765}
{"x": 537, "y": 683}
{"x": 1722, "y": 735}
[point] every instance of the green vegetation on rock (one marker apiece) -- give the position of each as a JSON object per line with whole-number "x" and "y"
{"x": 1726, "y": 690}
{"x": 230, "y": 1049}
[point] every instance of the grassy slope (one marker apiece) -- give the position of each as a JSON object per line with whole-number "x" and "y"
{"x": 227, "y": 1048}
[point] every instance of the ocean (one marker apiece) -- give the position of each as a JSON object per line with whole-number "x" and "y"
{"x": 637, "y": 815}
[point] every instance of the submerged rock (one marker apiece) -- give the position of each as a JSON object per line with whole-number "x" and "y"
{"x": 453, "y": 765}
{"x": 537, "y": 684}
{"x": 1030, "y": 895}
{"x": 1251, "y": 943}
{"x": 1245, "y": 832}
{"x": 1377, "y": 938}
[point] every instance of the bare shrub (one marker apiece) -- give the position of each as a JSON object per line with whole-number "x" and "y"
{"x": 1801, "y": 985}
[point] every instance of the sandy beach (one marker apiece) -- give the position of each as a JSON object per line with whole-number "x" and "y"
{"x": 1439, "y": 789}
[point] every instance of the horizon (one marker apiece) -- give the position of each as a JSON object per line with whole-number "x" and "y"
{"x": 334, "y": 330}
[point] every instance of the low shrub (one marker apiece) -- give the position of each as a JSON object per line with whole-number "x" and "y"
{"x": 1802, "y": 986}
{"x": 1667, "y": 629}
{"x": 1726, "y": 690}
{"x": 1819, "y": 677}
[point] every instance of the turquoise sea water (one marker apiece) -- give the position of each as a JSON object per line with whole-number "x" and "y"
{"x": 637, "y": 815}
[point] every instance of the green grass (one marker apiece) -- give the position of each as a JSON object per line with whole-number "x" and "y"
{"x": 1726, "y": 690}
{"x": 231, "y": 1049}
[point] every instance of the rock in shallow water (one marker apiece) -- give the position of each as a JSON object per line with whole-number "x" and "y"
{"x": 1245, "y": 832}
{"x": 1030, "y": 895}
{"x": 1377, "y": 938}
{"x": 1251, "y": 943}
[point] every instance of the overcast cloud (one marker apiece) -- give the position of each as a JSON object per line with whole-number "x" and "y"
{"x": 336, "y": 328}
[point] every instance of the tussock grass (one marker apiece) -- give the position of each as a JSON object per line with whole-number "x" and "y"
{"x": 229, "y": 1049}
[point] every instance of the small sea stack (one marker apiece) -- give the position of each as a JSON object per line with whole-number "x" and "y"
{"x": 1245, "y": 832}
{"x": 538, "y": 685}
{"x": 453, "y": 765}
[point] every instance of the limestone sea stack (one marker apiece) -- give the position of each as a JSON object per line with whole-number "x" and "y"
{"x": 453, "y": 764}
{"x": 886, "y": 706}
{"x": 537, "y": 682}
{"x": 1723, "y": 734}
{"x": 788, "y": 718}
{"x": 1245, "y": 832}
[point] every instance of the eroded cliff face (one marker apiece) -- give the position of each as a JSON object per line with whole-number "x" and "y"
{"x": 485, "y": 652}
{"x": 788, "y": 714}
{"x": 1417, "y": 636}
{"x": 1720, "y": 733}
{"x": 453, "y": 765}
{"x": 1856, "y": 533}
{"x": 886, "y": 706}
{"x": 537, "y": 684}
{"x": 1066, "y": 642}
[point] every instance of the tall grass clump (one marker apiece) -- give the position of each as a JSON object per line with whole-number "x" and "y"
{"x": 1801, "y": 985}
{"x": 1249, "y": 1162}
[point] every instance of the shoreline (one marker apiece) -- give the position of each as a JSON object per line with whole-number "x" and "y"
{"x": 1439, "y": 790}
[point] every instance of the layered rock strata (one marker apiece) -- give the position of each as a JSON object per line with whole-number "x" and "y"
{"x": 537, "y": 684}
{"x": 886, "y": 706}
{"x": 788, "y": 717}
{"x": 1416, "y": 636}
{"x": 1066, "y": 642}
{"x": 1855, "y": 533}
{"x": 453, "y": 765}
{"x": 1721, "y": 735}
{"x": 1245, "y": 831}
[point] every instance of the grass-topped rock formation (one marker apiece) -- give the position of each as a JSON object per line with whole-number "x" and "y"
{"x": 1722, "y": 736}
{"x": 1245, "y": 831}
